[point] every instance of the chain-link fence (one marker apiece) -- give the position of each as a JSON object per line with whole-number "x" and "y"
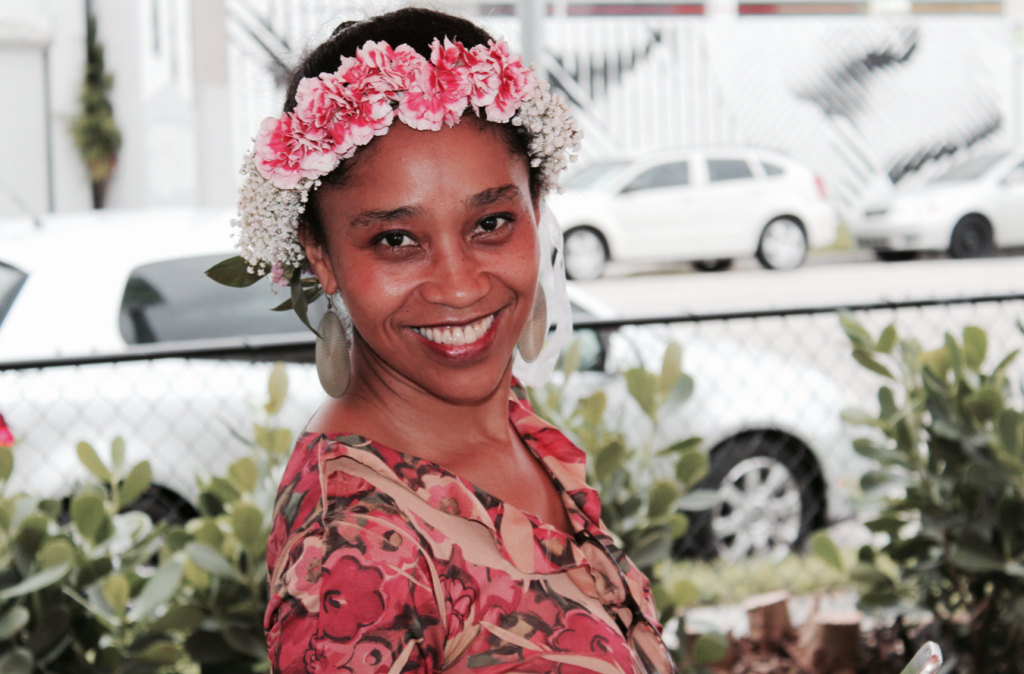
{"x": 769, "y": 389}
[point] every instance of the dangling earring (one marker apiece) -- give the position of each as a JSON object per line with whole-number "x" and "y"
{"x": 531, "y": 340}
{"x": 332, "y": 359}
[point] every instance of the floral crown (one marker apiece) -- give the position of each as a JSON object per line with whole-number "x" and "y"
{"x": 336, "y": 113}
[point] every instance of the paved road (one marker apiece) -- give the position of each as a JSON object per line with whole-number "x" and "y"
{"x": 853, "y": 278}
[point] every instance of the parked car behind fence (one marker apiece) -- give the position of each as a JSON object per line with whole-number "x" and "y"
{"x": 708, "y": 206}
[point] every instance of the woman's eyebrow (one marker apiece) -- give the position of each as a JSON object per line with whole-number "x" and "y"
{"x": 369, "y": 218}
{"x": 493, "y": 196}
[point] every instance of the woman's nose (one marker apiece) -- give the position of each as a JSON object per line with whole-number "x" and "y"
{"x": 457, "y": 277}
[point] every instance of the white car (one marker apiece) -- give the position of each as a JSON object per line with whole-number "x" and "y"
{"x": 127, "y": 281}
{"x": 780, "y": 455}
{"x": 977, "y": 206}
{"x": 708, "y": 206}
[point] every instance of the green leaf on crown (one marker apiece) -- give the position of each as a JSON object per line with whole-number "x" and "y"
{"x": 233, "y": 272}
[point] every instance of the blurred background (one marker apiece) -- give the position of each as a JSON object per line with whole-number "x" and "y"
{"x": 751, "y": 171}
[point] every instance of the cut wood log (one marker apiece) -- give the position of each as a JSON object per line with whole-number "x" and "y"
{"x": 768, "y": 615}
{"x": 828, "y": 643}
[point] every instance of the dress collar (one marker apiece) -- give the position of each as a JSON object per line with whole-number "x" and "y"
{"x": 526, "y": 542}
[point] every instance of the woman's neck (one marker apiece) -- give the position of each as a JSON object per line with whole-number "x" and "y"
{"x": 404, "y": 416}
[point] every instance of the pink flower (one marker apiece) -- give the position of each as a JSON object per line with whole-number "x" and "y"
{"x": 349, "y": 116}
{"x": 288, "y": 149}
{"x": 439, "y": 91}
{"x": 277, "y": 276}
{"x": 378, "y": 67}
{"x": 516, "y": 84}
{"x": 6, "y": 437}
{"x": 484, "y": 76}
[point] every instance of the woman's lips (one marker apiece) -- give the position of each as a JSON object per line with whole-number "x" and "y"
{"x": 461, "y": 342}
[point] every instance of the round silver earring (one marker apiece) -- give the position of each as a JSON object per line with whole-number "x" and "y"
{"x": 531, "y": 340}
{"x": 332, "y": 358}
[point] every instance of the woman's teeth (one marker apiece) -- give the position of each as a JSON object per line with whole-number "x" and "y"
{"x": 458, "y": 335}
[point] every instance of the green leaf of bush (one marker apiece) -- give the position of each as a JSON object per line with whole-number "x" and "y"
{"x": 180, "y": 618}
{"x": 609, "y": 460}
{"x": 826, "y": 549}
{"x": 642, "y": 385}
{"x": 277, "y": 388}
{"x": 91, "y": 460}
{"x": 662, "y": 494}
{"x": 684, "y": 593}
{"x": 671, "y": 367}
{"x": 89, "y": 515}
{"x": 17, "y": 661}
{"x": 710, "y": 648}
{"x": 209, "y": 560}
{"x": 36, "y": 582}
{"x": 697, "y": 500}
{"x": 242, "y": 474}
{"x": 233, "y": 272}
{"x": 864, "y": 358}
{"x": 975, "y": 346}
{"x": 887, "y": 340}
{"x": 138, "y": 481}
{"x": 115, "y": 590}
{"x": 679, "y": 394}
{"x": 855, "y": 331}
{"x": 247, "y": 521}
{"x": 55, "y": 552}
{"x": 6, "y": 463}
{"x": 161, "y": 652}
{"x": 691, "y": 467}
{"x": 117, "y": 453}
{"x": 157, "y": 591}
{"x": 13, "y": 621}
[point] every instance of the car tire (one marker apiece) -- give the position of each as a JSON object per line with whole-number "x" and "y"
{"x": 897, "y": 255}
{"x": 770, "y": 498}
{"x": 972, "y": 237}
{"x": 586, "y": 254}
{"x": 783, "y": 244}
{"x": 164, "y": 505}
{"x": 712, "y": 265}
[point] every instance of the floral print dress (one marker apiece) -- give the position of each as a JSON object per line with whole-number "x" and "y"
{"x": 383, "y": 562}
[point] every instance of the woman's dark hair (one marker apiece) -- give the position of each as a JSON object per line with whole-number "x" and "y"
{"x": 412, "y": 26}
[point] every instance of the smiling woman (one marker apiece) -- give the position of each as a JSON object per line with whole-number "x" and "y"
{"x": 427, "y": 519}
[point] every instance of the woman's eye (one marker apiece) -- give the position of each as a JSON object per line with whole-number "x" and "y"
{"x": 493, "y": 222}
{"x": 396, "y": 239}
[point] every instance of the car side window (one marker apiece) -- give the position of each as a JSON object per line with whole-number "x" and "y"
{"x": 174, "y": 300}
{"x": 728, "y": 169}
{"x": 675, "y": 174}
{"x": 11, "y": 280}
{"x": 771, "y": 169}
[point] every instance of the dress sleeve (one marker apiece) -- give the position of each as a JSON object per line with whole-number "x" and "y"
{"x": 354, "y": 591}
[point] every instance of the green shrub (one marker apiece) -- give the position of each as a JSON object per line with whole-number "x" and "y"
{"x": 96, "y": 589}
{"x": 948, "y": 449}
{"x": 642, "y": 508}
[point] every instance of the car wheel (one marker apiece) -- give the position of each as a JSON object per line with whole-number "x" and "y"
{"x": 972, "y": 237}
{"x": 585, "y": 254}
{"x": 712, "y": 265}
{"x": 783, "y": 244}
{"x": 769, "y": 498}
{"x": 897, "y": 255}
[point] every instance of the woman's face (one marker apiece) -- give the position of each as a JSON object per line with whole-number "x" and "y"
{"x": 433, "y": 243}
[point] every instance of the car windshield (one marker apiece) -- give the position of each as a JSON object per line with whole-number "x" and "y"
{"x": 174, "y": 300}
{"x": 594, "y": 176}
{"x": 971, "y": 169}
{"x": 11, "y": 280}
